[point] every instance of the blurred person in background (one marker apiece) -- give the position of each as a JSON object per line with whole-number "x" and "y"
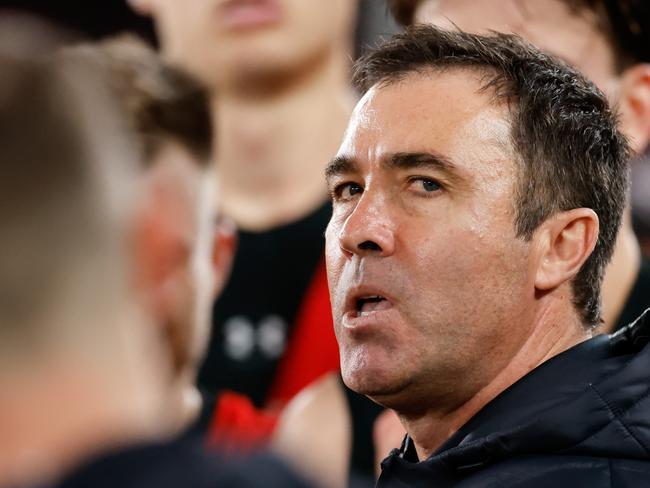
{"x": 106, "y": 273}
{"x": 181, "y": 258}
{"x": 168, "y": 112}
{"x": 73, "y": 377}
{"x": 25, "y": 35}
{"x": 281, "y": 71}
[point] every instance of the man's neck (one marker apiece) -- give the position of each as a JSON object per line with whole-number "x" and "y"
{"x": 552, "y": 334}
{"x": 273, "y": 147}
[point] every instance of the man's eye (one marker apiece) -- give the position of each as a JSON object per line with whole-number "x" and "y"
{"x": 430, "y": 185}
{"x": 346, "y": 191}
{"x": 426, "y": 185}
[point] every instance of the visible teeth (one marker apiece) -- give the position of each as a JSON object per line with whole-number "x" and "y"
{"x": 370, "y": 304}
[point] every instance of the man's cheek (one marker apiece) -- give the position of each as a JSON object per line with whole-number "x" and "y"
{"x": 334, "y": 264}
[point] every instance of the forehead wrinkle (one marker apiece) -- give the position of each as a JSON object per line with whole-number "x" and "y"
{"x": 490, "y": 124}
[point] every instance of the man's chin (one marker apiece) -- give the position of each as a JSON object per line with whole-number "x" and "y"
{"x": 374, "y": 385}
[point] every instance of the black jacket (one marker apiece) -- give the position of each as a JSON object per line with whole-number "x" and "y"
{"x": 581, "y": 419}
{"x": 179, "y": 464}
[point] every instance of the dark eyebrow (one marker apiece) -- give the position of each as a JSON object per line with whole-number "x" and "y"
{"x": 340, "y": 165}
{"x": 425, "y": 160}
{"x": 420, "y": 160}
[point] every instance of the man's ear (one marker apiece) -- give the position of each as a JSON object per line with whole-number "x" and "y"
{"x": 565, "y": 242}
{"x": 223, "y": 252}
{"x": 142, "y": 7}
{"x": 634, "y": 105}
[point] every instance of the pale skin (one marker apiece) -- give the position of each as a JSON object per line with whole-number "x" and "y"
{"x": 423, "y": 206}
{"x": 577, "y": 39}
{"x": 284, "y": 145}
{"x": 282, "y": 98}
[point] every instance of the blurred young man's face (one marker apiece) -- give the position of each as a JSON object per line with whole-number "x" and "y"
{"x": 178, "y": 239}
{"x": 238, "y": 40}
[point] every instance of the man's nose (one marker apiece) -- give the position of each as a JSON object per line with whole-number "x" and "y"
{"x": 369, "y": 229}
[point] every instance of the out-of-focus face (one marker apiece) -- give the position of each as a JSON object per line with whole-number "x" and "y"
{"x": 233, "y": 40}
{"x": 551, "y": 25}
{"x": 431, "y": 289}
{"x": 183, "y": 210}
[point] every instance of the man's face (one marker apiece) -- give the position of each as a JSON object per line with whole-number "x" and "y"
{"x": 573, "y": 36}
{"x": 181, "y": 215}
{"x": 431, "y": 289}
{"x": 243, "y": 39}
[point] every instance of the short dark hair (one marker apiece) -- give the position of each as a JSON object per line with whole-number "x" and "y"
{"x": 570, "y": 153}
{"x": 625, "y": 22}
{"x": 159, "y": 101}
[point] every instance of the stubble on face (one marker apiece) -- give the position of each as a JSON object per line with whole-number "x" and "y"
{"x": 457, "y": 276}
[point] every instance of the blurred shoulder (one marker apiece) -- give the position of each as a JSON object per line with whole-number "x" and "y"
{"x": 316, "y": 426}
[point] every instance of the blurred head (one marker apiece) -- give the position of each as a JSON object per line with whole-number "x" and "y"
{"x": 65, "y": 192}
{"x": 468, "y": 196}
{"x": 244, "y": 42}
{"x": 74, "y": 345}
{"x": 606, "y": 41}
{"x": 105, "y": 265}
{"x": 25, "y": 35}
{"x": 177, "y": 260}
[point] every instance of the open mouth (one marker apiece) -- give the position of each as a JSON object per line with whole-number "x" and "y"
{"x": 371, "y": 304}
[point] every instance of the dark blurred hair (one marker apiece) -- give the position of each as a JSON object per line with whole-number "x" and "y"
{"x": 629, "y": 21}
{"x": 160, "y": 102}
{"x": 625, "y": 22}
{"x": 570, "y": 153}
{"x": 403, "y": 10}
